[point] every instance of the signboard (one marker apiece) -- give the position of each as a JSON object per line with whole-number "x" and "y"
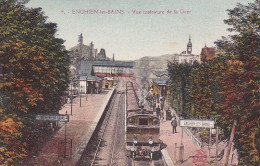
{"x": 59, "y": 118}
{"x": 197, "y": 123}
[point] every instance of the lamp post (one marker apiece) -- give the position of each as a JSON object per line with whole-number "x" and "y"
{"x": 80, "y": 98}
{"x": 71, "y": 98}
{"x": 86, "y": 88}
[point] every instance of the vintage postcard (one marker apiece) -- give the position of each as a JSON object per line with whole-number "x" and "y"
{"x": 129, "y": 82}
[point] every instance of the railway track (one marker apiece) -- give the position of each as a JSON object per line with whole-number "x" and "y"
{"x": 107, "y": 147}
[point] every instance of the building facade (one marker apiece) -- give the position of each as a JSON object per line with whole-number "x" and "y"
{"x": 186, "y": 56}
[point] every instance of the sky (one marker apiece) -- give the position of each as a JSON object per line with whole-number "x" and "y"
{"x": 130, "y": 35}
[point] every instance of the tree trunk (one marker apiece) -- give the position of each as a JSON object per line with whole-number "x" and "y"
{"x": 230, "y": 142}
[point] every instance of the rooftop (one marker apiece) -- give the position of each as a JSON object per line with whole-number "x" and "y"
{"x": 161, "y": 81}
{"x": 90, "y": 78}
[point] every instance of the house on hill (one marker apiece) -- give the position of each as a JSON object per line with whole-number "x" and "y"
{"x": 207, "y": 53}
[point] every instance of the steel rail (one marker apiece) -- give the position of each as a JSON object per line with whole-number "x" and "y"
{"x": 103, "y": 132}
{"x": 114, "y": 138}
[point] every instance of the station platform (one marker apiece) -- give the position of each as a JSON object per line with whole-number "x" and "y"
{"x": 171, "y": 140}
{"x": 79, "y": 130}
{"x": 193, "y": 153}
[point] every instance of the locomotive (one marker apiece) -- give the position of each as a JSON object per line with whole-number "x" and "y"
{"x": 142, "y": 127}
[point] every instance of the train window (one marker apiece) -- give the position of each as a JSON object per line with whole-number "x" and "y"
{"x": 131, "y": 121}
{"x": 155, "y": 122}
{"x": 143, "y": 121}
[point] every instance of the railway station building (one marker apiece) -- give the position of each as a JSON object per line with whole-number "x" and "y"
{"x": 95, "y": 75}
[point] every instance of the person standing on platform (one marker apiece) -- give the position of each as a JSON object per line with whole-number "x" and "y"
{"x": 158, "y": 111}
{"x": 174, "y": 125}
{"x": 162, "y": 114}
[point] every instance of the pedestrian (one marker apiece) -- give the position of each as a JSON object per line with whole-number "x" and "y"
{"x": 174, "y": 125}
{"x": 162, "y": 114}
{"x": 158, "y": 111}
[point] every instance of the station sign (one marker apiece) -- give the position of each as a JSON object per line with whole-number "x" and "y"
{"x": 197, "y": 123}
{"x": 55, "y": 118}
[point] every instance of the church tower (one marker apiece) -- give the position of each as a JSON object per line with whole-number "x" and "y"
{"x": 189, "y": 46}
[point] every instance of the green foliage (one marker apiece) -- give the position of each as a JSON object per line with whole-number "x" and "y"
{"x": 227, "y": 88}
{"x": 34, "y": 70}
{"x": 179, "y": 87}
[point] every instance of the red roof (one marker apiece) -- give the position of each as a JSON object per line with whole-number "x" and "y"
{"x": 207, "y": 53}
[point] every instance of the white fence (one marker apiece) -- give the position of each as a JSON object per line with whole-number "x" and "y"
{"x": 192, "y": 137}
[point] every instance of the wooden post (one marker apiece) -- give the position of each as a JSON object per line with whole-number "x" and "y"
{"x": 209, "y": 142}
{"x": 230, "y": 142}
{"x": 216, "y": 158}
{"x": 175, "y": 148}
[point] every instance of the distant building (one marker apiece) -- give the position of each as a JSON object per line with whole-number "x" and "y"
{"x": 86, "y": 52}
{"x": 207, "y": 53}
{"x": 82, "y": 51}
{"x": 186, "y": 56}
{"x": 107, "y": 68}
{"x": 101, "y": 56}
{"x": 159, "y": 86}
{"x": 95, "y": 75}
{"x": 158, "y": 83}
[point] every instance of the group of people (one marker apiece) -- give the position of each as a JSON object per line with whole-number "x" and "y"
{"x": 159, "y": 112}
{"x": 152, "y": 100}
{"x": 160, "y": 115}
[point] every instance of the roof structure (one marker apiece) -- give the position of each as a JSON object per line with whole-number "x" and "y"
{"x": 159, "y": 73}
{"x": 161, "y": 81}
{"x": 114, "y": 63}
{"x": 86, "y": 67}
{"x": 90, "y": 78}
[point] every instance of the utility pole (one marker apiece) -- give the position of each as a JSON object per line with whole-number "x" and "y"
{"x": 230, "y": 142}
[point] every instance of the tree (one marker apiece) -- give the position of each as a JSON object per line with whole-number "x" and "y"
{"x": 179, "y": 86}
{"x": 227, "y": 88}
{"x": 34, "y": 70}
{"x": 240, "y": 84}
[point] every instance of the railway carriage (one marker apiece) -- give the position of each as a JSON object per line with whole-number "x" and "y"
{"x": 142, "y": 127}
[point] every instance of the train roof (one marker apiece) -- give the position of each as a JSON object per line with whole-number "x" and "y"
{"x": 134, "y": 114}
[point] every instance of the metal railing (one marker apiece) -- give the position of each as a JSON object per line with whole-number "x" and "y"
{"x": 192, "y": 137}
{"x": 187, "y": 131}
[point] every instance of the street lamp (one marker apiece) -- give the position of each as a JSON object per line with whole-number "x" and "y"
{"x": 71, "y": 98}
{"x": 86, "y": 87}
{"x": 79, "y": 96}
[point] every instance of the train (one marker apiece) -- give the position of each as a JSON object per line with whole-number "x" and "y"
{"x": 142, "y": 127}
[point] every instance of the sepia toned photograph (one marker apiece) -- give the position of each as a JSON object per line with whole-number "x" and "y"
{"x": 129, "y": 83}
